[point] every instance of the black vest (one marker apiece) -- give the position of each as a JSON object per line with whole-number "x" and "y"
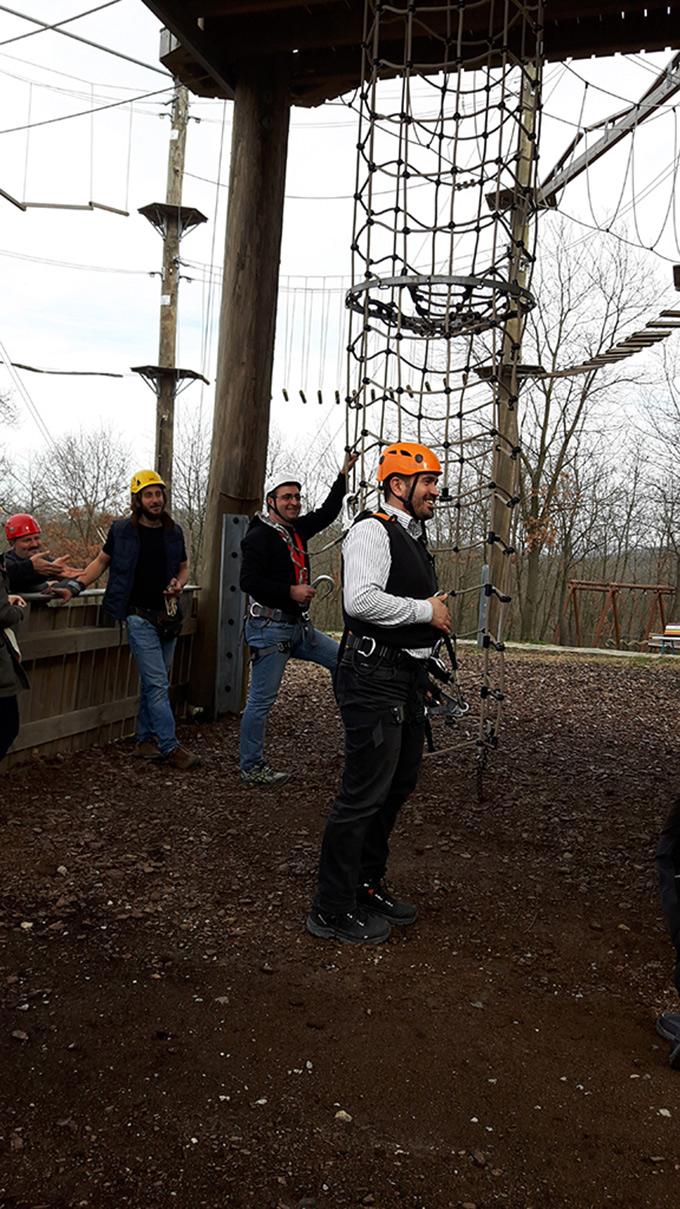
{"x": 412, "y": 573}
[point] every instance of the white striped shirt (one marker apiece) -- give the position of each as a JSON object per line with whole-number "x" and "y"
{"x": 367, "y": 564}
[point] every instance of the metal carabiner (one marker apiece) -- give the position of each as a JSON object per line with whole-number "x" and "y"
{"x": 324, "y": 579}
{"x": 349, "y": 509}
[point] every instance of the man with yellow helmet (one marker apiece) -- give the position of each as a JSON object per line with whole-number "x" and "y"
{"x": 393, "y": 618}
{"x": 148, "y": 568}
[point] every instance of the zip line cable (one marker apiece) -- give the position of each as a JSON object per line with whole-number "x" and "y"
{"x": 27, "y": 400}
{"x": 58, "y": 24}
{"x": 86, "y": 41}
{"x": 85, "y": 113}
{"x": 67, "y": 75}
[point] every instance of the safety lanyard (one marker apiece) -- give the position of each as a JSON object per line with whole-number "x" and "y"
{"x": 297, "y": 553}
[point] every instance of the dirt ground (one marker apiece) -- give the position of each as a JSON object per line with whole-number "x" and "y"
{"x": 171, "y": 1036}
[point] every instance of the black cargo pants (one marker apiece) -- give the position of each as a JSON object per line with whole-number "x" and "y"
{"x": 382, "y": 707}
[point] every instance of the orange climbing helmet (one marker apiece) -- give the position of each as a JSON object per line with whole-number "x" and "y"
{"x": 22, "y": 524}
{"x": 407, "y": 458}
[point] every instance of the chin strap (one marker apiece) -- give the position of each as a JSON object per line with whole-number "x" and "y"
{"x": 408, "y": 502}
{"x": 272, "y": 508}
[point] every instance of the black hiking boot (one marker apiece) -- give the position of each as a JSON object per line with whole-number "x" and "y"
{"x": 377, "y": 899}
{"x": 351, "y": 927}
{"x": 668, "y": 1027}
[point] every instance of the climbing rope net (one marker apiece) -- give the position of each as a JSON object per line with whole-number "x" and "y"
{"x": 441, "y": 277}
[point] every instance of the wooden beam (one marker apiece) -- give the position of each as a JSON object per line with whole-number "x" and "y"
{"x": 182, "y": 20}
{"x": 246, "y": 342}
{"x": 54, "y": 643}
{"x": 46, "y": 730}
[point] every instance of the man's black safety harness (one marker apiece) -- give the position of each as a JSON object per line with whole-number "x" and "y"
{"x": 450, "y": 706}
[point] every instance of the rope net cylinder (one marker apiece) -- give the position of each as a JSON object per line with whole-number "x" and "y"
{"x": 441, "y": 274}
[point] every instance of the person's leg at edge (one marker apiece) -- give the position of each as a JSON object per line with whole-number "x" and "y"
{"x": 9, "y": 723}
{"x": 266, "y": 673}
{"x": 153, "y": 663}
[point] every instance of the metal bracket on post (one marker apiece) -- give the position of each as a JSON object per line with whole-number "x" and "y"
{"x": 229, "y": 676}
{"x": 483, "y": 616}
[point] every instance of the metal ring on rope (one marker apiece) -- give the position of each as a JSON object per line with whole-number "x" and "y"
{"x": 442, "y": 305}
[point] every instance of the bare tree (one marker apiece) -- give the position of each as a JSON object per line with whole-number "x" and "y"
{"x": 662, "y": 437}
{"x": 588, "y": 298}
{"x": 85, "y": 479}
{"x": 190, "y": 471}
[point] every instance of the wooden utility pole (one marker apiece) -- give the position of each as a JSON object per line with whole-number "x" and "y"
{"x": 172, "y": 220}
{"x": 167, "y": 345}
{"x": 246, "y": 349}
{"x": 505, "y": 472}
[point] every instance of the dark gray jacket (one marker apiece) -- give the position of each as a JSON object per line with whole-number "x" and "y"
{"x": 10, "y": 615}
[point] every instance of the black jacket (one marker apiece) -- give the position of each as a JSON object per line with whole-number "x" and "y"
{"x": 21, "y": 576}
{"x": 12, "y": 677}
{"x": 267, "y": 570}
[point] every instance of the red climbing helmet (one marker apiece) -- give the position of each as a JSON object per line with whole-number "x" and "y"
{"x": 21, "y": 525}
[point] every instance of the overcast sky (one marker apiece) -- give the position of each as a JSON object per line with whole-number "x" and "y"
{"x": 78, "y": 291}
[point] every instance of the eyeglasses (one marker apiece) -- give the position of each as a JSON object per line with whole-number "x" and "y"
{"x": 290, "y": 495}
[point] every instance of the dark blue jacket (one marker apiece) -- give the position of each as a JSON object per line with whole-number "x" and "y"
{"x": 124, "y": 537}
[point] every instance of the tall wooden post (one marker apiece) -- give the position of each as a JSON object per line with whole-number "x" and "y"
{"x": 165, "y": 407}
{"x": 246, "y": 342}
{"x": 505, "y": 468}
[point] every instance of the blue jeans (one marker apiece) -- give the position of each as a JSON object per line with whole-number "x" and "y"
{"x": 301, "y": 641}
{"x": 154, "y": 660}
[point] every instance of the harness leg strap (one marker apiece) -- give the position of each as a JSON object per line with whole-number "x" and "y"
{"x": 261, "y": 652}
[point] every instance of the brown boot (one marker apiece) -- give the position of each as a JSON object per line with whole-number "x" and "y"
{"x": 148, "y": 750}
{"x": 181, "y": 759}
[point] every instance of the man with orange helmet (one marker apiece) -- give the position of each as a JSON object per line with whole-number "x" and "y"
{"x": 147, "y": 563}
{"x": 393, "y": 618}
{"x": 29, "y": 568}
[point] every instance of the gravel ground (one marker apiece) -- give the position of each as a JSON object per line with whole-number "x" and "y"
{"x": 171, "y": 1036}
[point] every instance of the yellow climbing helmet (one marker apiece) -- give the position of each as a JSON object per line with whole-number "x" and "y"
{"x": 145, "y": 478}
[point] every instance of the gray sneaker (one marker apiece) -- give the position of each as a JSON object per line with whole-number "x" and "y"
{"x": 264, "y": 777}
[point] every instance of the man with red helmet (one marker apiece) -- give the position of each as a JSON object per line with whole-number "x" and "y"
{"x": 29, "y": 568}
{"x": 393, "y": 618}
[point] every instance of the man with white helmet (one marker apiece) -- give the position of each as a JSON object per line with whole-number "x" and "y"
{"x": 275, "y": 575}
{"x": 394, "y": 615}
{"x": 148, "y": 568}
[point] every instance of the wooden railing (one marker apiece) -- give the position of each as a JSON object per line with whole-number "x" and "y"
{"x": 84, "y": 684}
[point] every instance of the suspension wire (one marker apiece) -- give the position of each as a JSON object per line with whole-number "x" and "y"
{"x": 83, "y": 113}
{"x": 86, "y": 41}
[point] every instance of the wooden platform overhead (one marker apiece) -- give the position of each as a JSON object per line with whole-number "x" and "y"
{"x": 212, "y": 39}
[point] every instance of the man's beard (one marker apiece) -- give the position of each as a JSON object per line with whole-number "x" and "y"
{"x": 152, "y": 516}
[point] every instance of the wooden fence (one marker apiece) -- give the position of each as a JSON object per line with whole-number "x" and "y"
{"x": 84, "y": 684}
